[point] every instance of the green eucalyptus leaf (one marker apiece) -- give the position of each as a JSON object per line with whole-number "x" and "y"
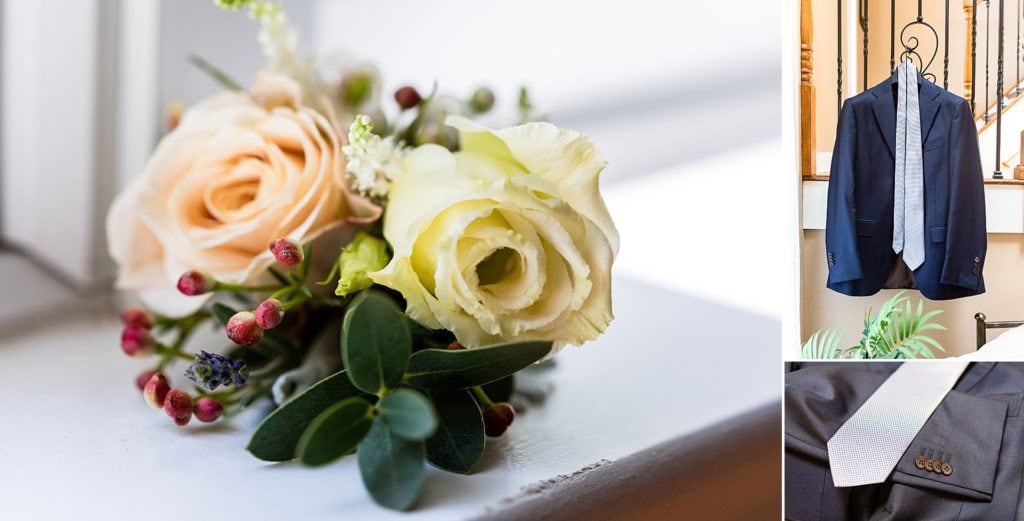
{"x": 408, "y": 414}
{"x": 459, "y": 441}
{"x": 392, "y": 467}
{"x": 375, "y": 343}
{"x": 335, "y": 431}
{"x": 442, "y": 369}
{"x": 222, "y": 313}
{"x": 278, "y": 434}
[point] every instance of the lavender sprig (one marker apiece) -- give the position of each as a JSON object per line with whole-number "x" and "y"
{"x": 211, "y": 370}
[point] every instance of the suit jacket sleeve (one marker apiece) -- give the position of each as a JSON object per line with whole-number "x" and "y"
{"x": 966, "y": 239}
{"x": 841, "y": 218}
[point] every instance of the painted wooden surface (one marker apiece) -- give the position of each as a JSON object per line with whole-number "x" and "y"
{"x": 1004, "y": 206}
{"x": 694, "y": 343}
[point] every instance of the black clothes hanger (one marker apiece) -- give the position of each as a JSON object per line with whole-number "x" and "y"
{"x": 894, "y": 78}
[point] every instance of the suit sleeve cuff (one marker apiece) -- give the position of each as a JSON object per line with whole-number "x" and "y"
{"x": 966, "y": 433}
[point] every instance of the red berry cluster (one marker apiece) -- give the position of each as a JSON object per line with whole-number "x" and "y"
{"x": 177, "y": 403}
{"x": 498, "y": 418}
{"x": 287, "y": 252}
{"x": 243, "y": 328}
{"x": 136, "y": 337}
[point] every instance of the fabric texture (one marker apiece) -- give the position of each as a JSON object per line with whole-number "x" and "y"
{"x": 859, "y": 230}
{"x": 868, "y": 446}
{"x": 977, "y": 429}
{"x": 908, "y": 200}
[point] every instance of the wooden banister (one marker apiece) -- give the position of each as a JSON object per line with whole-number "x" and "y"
{"x": 808, "y": 163}
{"x": 1018, "y": 171}
{"x": 968, "y": 16}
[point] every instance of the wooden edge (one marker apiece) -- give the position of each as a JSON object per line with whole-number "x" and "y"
{"x": 729, "y": 471}
{"x": 988, "y": 180}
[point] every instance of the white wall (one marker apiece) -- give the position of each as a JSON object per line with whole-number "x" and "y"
{"x": 87, "y": 82}
{"x": 49, "y": 110}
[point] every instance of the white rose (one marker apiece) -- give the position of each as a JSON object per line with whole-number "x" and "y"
{"x": 506, "y": 239}
{"x": 238, "y": 172}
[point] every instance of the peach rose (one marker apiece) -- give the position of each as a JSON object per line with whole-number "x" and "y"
{"x": 239, "y": 171}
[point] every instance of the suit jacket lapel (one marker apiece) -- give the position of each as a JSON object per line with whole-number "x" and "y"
{"x": 885, "y": 110}
{"x": 885, "y": 113}
{"x": 929, "y": 108}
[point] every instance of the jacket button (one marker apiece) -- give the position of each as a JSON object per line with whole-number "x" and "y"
{"x": 947, "y": 469}
{"x": 920, "y": 461}
{"x": 976, "y": 259}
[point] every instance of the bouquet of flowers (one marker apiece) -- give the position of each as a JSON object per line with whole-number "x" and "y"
{"x": 380, "y": 272}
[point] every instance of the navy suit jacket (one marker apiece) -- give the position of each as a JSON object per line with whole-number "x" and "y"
{"x": 978, "y": 428}
{"x": 859, "y": 225}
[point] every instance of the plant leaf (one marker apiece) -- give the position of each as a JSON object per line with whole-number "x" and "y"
{"x": 897, "y": 330}
{"x": 392, "y": 467}
{"x": 824, "y": 344}
{"x": 408, "y": 414}
{"x": 335, "y": 432}
{"x": 442, "y": 369}
{"x": 222, "y": 313}
{"x": 375, "y": 343}
{"x": 278, "y": 434}
{"x": 459, "y": 441}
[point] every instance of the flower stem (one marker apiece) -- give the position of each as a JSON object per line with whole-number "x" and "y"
{"x": 170, "y": 352}
{"x": 225, "y": 286}
{"x": 481, "y": 396}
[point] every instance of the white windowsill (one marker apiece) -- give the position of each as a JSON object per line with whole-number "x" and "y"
{"x": 1004, "y": 207}
{"x": 667, "y": 367}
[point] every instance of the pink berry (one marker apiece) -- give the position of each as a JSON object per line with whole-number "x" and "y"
{"x": 269, "y": 313}
{"x": 156, "y": 391}
{"x": 287, "y": 252}
{"x": 243, "y": 330}
{"x": 143, "y": 378}
{"x": 136, "y": 341}
{"x": 407, "y": 97}
{"x": 194, "y": 283}
{"x": 178, "y": 405}
{"x": 136, "y": 317}
{"x": 498, "y": 418}
{"x": 208, "y": 409}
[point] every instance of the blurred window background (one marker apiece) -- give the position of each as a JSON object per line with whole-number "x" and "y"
{"x": 87, "y": 83}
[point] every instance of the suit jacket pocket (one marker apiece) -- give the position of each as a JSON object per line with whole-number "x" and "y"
{"x": 938, "y": 234}
{"x": 933, "y": 144}
{"x": 866, "y": 227}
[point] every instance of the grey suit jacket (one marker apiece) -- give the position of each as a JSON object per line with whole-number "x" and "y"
{"x": 977, "y": 428}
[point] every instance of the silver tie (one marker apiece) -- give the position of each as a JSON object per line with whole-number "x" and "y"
{"x": 868, "y": 446}
{"x": 908, "y": 200}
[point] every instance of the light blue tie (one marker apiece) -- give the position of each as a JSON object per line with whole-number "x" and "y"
{"x": 868, "y": 446}
{"x": 908, "y": 201}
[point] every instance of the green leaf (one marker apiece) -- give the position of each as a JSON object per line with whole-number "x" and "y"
{"x": 215, "y": 73}
{"x": 335, "y": 431}
{"x": 408, "y": 414}
{"x": 375, "y": 343}
{"x": 222, "y": 313}
{"x": 392, "y": 467}
{"x": 897, "y": 331}
{"x": 459, "y": 441}
{"x": 823, "y": 344}
{"x": 442, "y": 369}
{"x": 278, "y": 434}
